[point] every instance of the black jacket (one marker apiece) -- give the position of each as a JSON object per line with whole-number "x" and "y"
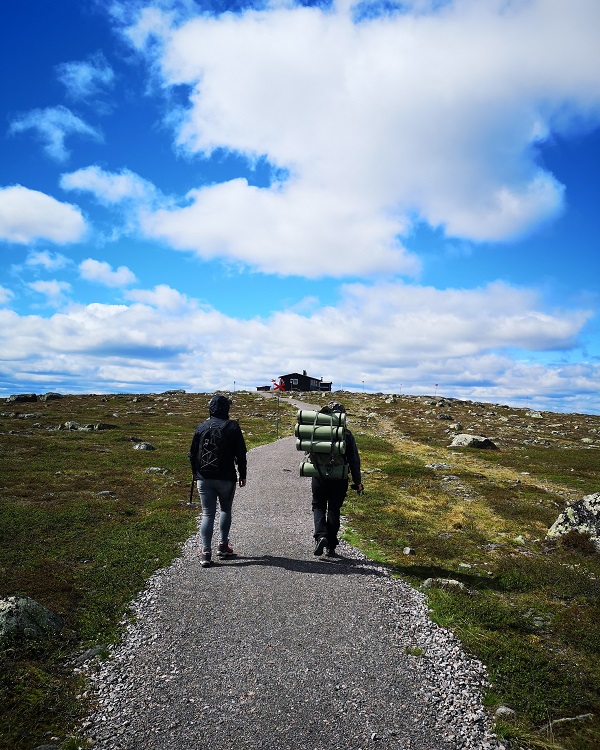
{"x": 353, "y": 458}
{"x": 234, "y": 449}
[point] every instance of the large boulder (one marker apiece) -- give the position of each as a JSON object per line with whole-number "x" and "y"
{"x": 22, "y": 398}
{"x": 583, "y": 517}
{"x": 22, "y": 617}
{"x": 473, "y": 441}
{"x": 51, "y": 396}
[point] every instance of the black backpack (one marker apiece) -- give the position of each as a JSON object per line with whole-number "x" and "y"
{"x": 210, "y": 449}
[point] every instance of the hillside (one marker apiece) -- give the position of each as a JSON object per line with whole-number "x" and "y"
{"x": 86, "y": 518}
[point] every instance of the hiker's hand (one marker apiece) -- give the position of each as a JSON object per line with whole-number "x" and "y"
{"x": 359, "y": 488}
{"x": 242, "y": 482}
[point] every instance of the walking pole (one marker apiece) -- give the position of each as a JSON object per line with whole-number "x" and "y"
{"x": 191, "y": 490}
{"x": 277, "y": 420}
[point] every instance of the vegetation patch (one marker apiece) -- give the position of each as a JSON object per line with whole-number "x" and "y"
{"x": 530, "y": 609}
{"x": 85, "y": 519}
{"x": 79, "y": 507}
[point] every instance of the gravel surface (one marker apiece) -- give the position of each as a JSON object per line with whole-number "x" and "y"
{"x": 279, "y": 649}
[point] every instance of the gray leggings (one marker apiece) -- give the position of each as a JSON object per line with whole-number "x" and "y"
{"x": 211, "y": 490}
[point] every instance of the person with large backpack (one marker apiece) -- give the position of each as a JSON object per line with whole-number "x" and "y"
{"x": 218, "y": 447}
{"x": 329, "y": 471}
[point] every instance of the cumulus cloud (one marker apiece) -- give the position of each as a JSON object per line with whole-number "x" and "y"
{"x": 109, "y": 188}
{"x": 6, "y": 295}
{"x": 103, "y": 273}
{"x": 52, "y": 126}
{"x": 392, "y": 336}
{"x": 163, "y": 297}
{"x": 46, "y": 260}
{"x": 55, "y": 291}
{"x": 86, "y": 79}
{"x": 28, "y": 215}
{"x": 431, "y": 113}
{"x": 275, "y": 231}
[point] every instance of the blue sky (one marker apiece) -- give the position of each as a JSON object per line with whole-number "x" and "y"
{"x": 198, "y": 195}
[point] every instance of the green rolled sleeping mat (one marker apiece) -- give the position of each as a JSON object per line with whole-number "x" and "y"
{"x": 333, "y": 419}
{"x": 322, "y": 436}
{"x": 308, "y": 432}
{"x": 339, "y": 471}
{"x": 322, "y": 446}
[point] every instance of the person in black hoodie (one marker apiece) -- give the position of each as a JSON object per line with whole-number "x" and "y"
{"x": 217, "y": 449}
{"x": 328, "y": 496}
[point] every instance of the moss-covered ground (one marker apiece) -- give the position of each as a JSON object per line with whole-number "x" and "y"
{"x": 83, "y": 525}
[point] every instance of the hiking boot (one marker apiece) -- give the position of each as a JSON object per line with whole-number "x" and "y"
{"x": 206, "y": 561}
{"x": 224, "y": 550}
{"x": 320, "y": 545}
{"x": 330, "y": 552}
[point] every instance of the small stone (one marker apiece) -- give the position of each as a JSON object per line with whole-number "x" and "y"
{"x": 504, "y": 712}
{"x": 143, "y": 447}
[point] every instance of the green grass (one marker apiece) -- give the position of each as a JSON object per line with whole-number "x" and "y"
{"x": 77, "y": 509}
{"x": 83, "y": 526}
{"x": 531, "y": 611}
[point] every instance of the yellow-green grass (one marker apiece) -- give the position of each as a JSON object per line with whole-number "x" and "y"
{"x": 83, "y": 526}
{"x": 531, "y": 608}
{"x": 531, "y": 611}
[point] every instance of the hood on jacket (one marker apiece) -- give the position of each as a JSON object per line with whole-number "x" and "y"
{"x": 218, "y": 406}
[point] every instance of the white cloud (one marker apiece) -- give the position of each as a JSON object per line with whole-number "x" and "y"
{"x": 28, "y": 215}
{"x": 48, "y": 261}
{"x": 103, "y": 273}
{"x": 52, "y": 126}
{"x": 163, "y": 297}
{"x": 109, "y": 187}
{"x": 54, "y": 291}
{"x": 276, "y": 231}
{"x": 6, "y": 295}
{"x": 385, "y": 335}
{"x": 86, "y": 79}
{"x": 431, "y": 114}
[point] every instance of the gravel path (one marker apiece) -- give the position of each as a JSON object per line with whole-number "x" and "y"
{"x": 277, "y": 649}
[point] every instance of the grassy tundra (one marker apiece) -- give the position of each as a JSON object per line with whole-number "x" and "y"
{"x": 83, "y": 524}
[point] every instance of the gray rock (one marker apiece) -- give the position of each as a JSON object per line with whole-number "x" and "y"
{"x": 22, "y": 397}
{"x": 23, "y": 617}
{"x": 444, "y": 583}
{"x": 91, "y": 653}
{"x": 69, "y": 425}
{"x": 473, "y": 441}
{"x": 143, "y": 447}
{"x": 583, "y": 516}
{"x": 50, "y": 396}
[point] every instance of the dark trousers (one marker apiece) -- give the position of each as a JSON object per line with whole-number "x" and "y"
{"x": 328, "y": 496}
